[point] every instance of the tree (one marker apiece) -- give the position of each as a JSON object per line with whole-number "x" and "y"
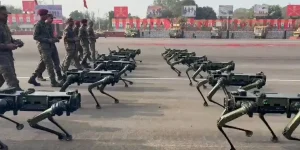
{"x": 13, "y": 9}
{"x": 188, "y": 2}
{"x": 76, "y": 15}
{"x": 110, "y": 16}
{"x": 173, "y": 6}
{"x": 283, "y": 12}
{"x": 274, "y": 12}
{"x": 241, "y": 13}
{"x": 166, "y": 13}
{"x": 205, "y": 13}
{"x": 167, "y": 4}
{"x": 131, "y": 16}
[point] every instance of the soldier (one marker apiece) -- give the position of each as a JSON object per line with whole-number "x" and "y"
{"x": 92, "y": 40}
{"x": 84, "y": 42}
{"x": 70, "y": 40}
{"x": 46, "y": 44}
{"x": 7, "y": 45}
{"x": 78, "y": 46}
{"x": 55, "y": 56}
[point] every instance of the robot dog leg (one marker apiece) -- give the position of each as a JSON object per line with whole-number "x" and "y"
{"x": 173, "y": 68}
{"x": 187, "y": 73}
{"x": 230, "y": 116}
{"x": 102, "y": 83}
{"x": 56, "y": 109}
{"x": 291, "y": 127}
{"x": 198, "y": 73}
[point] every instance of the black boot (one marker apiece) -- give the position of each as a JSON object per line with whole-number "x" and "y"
{"x": 85, "y": 65}
{"x": 55, "y": 84}
{"x": 33, "y": 81}
{"x": 41, "y": 78}
{"x": 59, "y": 76}
{"x": 19, "y": 89}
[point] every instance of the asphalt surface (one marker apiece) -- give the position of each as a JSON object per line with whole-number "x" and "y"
{"x": 160, "y": 111}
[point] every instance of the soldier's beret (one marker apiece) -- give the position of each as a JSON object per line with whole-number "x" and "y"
{"x": 3, "y": 8}
{"x": 84, "y": 21}
{"x": 69, "y": 20}
{"x": 77, "y": 22}
{"x": 42, "y": 12}
{"x": 50, "y": 16}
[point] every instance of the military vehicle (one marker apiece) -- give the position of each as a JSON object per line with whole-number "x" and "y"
{"x": 260, "y": 32}
{"x": 132, "y": 32}
{"x": 100, "y": 33}
{"x": 297, "y": 33}
{"x": 216, "y": 33}
{"x": 176, "y": 31}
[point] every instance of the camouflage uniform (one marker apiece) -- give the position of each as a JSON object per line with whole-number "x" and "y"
{"x": 47, "y": 50}
{"x": 84, "y": 42}
{"x": 92, "y": 40}
{"x": 55, "y": 57}
{"x": 7, "y": 68}
{"x": 78, "y": 46}
{"x": 70, "y": 45}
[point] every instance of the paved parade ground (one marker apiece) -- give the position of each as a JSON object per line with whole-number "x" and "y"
{"x": 160, "y": 111}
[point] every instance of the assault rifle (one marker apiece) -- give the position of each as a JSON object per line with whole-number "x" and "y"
{"x": 131, "y": 54}
{"x": 93, "y": 77}
{"x": 169, "y": 53}
{"x": 248, "y": 81}
{"x": 179, "y": 55}
{"x": 105, "y": 57}
{"x": 136, "y": 51}
{"x": 207, "y": 66}
{"x": 167, "y": 50}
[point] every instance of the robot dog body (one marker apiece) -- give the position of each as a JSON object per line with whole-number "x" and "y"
{"x": 239, "y": 103}
{"x": 103, "y": 57}
{"x": 49, "y": 103}
{"x": 247, "y": 81}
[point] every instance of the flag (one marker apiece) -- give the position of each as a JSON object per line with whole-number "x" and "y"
{"x": 36, "y": 2}
{"x": 84, "y": 4}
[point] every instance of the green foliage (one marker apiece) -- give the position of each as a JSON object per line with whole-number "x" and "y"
{"x": 275, "y": 12}
{"x": 131, "y": 16}
{"x": 173, "y": 9}
{"x": 205, "y": 13}
{"x": 14, "y": 10}
{"x": 76, "y": 15}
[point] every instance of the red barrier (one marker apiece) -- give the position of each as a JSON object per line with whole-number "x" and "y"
{"x": 114, "y": 34}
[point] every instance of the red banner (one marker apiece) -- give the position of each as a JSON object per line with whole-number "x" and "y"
{"x": 293, "y": 10}
{"x": 20, "y": 19}
{"x": 28, "y": 6}
{"x": 236, "y": 24}
{"x": 121, "y": 12}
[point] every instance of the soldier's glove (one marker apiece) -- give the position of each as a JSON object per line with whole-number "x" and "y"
{"x": 19, "y": 43}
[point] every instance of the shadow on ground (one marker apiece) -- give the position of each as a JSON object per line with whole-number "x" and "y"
{"x": 124, "y": 109}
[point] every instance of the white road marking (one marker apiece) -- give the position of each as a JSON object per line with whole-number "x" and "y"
{"x": 269, "y": 80}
